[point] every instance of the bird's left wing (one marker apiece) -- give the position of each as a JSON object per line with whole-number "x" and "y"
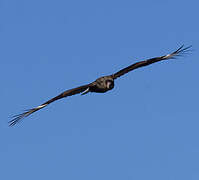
{"x": 178, "y": 52}
{"x": 69, "y": 92}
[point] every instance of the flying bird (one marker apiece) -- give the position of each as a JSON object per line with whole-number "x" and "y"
{"x": 102, "y": 84}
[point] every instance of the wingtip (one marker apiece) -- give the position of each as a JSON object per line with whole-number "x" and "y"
{"x": 182, "y": 50}
{"x": 16, "y": 119}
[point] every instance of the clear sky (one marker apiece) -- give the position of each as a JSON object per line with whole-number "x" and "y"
{"x": 145, "y": 128}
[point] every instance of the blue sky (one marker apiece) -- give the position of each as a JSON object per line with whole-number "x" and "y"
{"x": 146, "y": 128}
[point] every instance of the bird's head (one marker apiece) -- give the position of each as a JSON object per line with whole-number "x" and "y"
{"x": 109, "y": 84}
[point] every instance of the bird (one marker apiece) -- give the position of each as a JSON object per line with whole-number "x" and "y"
{"x": 101, "y": 84}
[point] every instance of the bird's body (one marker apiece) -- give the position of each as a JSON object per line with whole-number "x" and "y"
{"x": 102, "y": 84}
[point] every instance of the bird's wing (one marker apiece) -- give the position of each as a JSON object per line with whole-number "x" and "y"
{"x": 69, "y": 92}
{"x": 147, "y": 62}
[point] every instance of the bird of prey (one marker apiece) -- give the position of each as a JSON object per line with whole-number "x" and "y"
{"x": 102, "y": 84}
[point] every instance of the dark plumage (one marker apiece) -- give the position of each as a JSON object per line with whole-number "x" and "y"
{"x": 102, "y": 84}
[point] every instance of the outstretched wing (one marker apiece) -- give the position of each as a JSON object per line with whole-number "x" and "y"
{"x": 147, "y": 62}
{"x": 69, "y": 92}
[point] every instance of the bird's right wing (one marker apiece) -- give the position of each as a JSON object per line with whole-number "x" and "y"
{"x": 67, "y": 93}
{"x": 178, "y": 52}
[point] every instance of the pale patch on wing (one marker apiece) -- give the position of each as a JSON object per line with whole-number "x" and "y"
{"x": 41, "y": 106}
